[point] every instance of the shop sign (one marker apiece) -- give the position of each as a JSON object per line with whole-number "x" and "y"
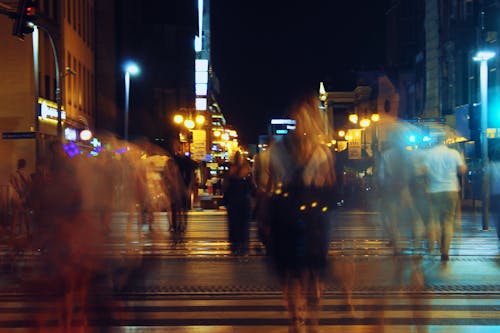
{"x": 48, "y": 110}
{"x": 199, "y": 145}
{"x": 354, "y": 144}
{"x": 18, "y": 135}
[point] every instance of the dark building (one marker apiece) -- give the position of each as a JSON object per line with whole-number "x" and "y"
{"x": 430, "y": 48}
{"x": 405, "y": 54}
{"x": 158, "y": 35}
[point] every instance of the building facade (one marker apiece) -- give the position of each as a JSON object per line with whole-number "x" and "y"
{"x": 53, "y": 65}
{"x": 431, "y": 44}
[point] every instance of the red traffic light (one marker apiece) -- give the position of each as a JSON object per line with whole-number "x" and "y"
{"x": 26, "y": 13}
{"x": 30, "y": 11}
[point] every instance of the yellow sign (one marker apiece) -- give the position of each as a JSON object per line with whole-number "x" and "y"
{"x": 199, "y": 145}
{"x": 354, "y": 144}
{"x": 48, "y": 110}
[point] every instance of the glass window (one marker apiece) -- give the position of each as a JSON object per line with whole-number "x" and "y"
{"x": 68, "y": 81}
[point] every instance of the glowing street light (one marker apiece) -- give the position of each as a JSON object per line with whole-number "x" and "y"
{"x": 482, "y": 57}
{"x": 178, "y": 119}
{"x": 189, "y": 123}
{"x": 353, "y": 118}
{"x": 130, "y": 69}
{"x": 364, "y": 122}
{"x": 200, "y": 119}
{"x": 375, "y": 117}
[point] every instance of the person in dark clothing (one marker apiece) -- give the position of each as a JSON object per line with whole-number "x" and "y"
{"x": 177, "y": 193}
{"x": 186, "y": 168}
{"x": 302, "y": 176}
{"x": 237, "y": 192}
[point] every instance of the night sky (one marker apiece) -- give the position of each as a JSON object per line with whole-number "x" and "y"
{"x": 268, "y": 52}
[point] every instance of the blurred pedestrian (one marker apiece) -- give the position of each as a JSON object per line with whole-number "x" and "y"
{"x": 20, "y": 184}
{"x": 302, "y": 173}
{"x": 237, "y": 188}
{"x": 443, "y": 166}
{"x": 62, "y": 234}
{"x": 187, "y": 169}
{"x": 177, "y": 193}
{"x": 395, "y": 173}
{"x": 495, "y": 186}
{"x": 260, "y": 172}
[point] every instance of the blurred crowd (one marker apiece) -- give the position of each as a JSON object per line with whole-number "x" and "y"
{"x": 64, "y": 212}
{"x": 65, "y": 209}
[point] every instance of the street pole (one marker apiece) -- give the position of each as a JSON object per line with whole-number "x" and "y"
{"x": 484, "y": 142}
{"x": 58, "y": 81}
{"x": 483, "y": 57}
{"x": 35, "y": 41}
{"x": 127, "y": 95}
{"x": 130, "y": 69}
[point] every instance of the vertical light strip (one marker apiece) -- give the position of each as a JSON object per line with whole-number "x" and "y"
{"x": 198, "y": 40}
{"x": 35, "y": 38}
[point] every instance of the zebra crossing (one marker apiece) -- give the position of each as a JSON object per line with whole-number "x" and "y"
{"x": 192, "y": 284}
{"x": 393, "y": 312}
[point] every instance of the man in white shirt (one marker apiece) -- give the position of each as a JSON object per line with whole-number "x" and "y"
{"x": 443, "y": 166}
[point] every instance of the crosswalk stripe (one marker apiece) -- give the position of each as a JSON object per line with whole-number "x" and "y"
{"x": 269, "y": 311}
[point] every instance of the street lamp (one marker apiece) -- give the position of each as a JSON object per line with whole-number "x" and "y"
{"x": 364, "y": 123}
{"x": 130, "y": 69}
{"x": 353, "y": 118}
{"x": 57, "y": 74}
{"x": 375, "y": 117}
{"x": 482, "y": 57}
{"x": 188, "y": 124}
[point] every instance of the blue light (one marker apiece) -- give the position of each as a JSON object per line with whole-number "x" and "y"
{"x": 426, "y": 138}
{"x": 412, "y": 138}
{"x": 131, "y": 68}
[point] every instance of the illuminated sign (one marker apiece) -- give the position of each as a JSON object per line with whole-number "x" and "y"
{"x": 283, "y": 122}
{"x": 48, "y": 110}
{"x": 201, "y": 77}
{"x": 70, "y": 134}
{"x": 201, "y": 89}
{"x": 201, "y": 104}
{"x": 283, "y": 126}
{"x": 201, "y": 65}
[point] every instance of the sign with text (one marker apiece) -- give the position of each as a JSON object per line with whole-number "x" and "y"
{"x": 18, "y": 135}
{"x": 354, "y": 144}
{"x": 48, "y": 110}
{"x": 199, "y": 145}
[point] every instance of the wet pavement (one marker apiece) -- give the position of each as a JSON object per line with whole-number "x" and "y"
{"x": 194, "y": 285}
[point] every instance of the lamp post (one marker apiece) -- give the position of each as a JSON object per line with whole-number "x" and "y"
{"x": 189, "y": 124}
{"x": 130, "y": 69}
{"x": 57, "y": 73}
{"x": 364, "y": 123}
{"x": 482, "y": 57}
{"x": 375, "y": 118}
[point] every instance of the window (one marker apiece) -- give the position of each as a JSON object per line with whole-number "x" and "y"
{"x": 80, "y": 86}
{"x": 468, "y": 9}
{"x": 69, "y": 79}
{"x": 68, "y": 11}
{"x": 47, "y": 86}
{"x": 73, "y": 12}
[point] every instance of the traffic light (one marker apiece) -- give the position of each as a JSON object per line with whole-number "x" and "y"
{"x": 26, "y": 14}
